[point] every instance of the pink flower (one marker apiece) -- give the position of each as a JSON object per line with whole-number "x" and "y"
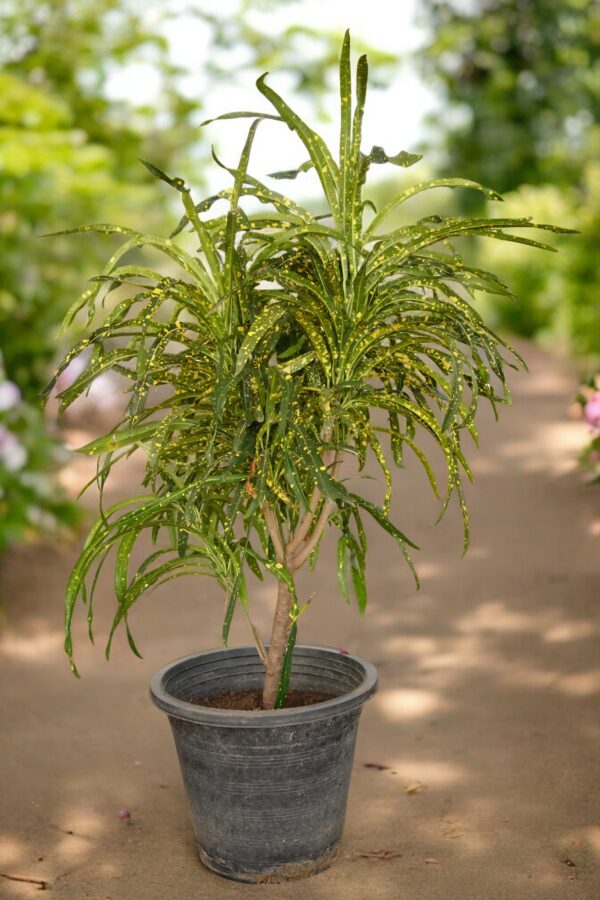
{"x": 124, "y": 814}
{"x": 591, "y": 411}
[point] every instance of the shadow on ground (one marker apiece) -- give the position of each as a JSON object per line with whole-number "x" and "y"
{"x": 485, "y": 731}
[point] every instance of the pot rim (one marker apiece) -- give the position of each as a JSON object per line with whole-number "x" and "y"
{"x": 261, "y": 718}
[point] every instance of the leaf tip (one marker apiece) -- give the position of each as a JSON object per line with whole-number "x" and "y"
{"x": 261, "y": 80}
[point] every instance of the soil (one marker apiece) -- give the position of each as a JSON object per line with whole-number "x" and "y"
{"x": 252, "y": 700}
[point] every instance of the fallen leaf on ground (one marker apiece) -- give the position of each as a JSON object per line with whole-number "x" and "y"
{"x": 431, "y": 861}
{"x": 379, "y": 766}
{"x": 415, "y": 788}
{"x": 569, "y": 862}
{"x": 380, "y": 854}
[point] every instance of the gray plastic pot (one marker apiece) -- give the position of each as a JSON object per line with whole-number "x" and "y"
{"x": 267, "y": 789}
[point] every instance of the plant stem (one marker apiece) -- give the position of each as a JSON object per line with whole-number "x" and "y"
{"x": 282, "y": 623}
{"x": 292, "y": 554}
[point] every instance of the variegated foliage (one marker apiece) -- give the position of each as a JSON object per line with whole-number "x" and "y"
{"x": 274, "y": 348}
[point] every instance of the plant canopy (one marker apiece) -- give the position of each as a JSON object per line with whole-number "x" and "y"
{"x": 264, "y": 362}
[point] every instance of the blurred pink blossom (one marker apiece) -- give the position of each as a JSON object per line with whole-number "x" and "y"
{"x": 71, "y": 373}
{"x": 9, "y": 395}
{"x": 103, "y": 393}
{"x": 13, "y": 454}
{"x": 591, "y": 411}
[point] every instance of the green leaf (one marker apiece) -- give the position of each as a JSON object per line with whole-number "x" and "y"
{"x": 329, "y": 487}
{"x": 240, "y": 115}
{"x": 343, "y": 569}
{"x": 260, "y": 327}
{"x": 286, "y": 669}
{"x": 345, "y": 129}
{"x": 290, "y": 174}
{"x": 404, "y": 159}
{"x": 298, "y": 363}
{"x": 400, "y": 198}
{"x": 391, "y": 529}
{"x": 177, "y": 183}
{"x": 320, "y": 155}
{"x": 125, "y": 437}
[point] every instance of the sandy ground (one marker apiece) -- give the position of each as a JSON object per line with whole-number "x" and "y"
{"x": 488, "y": 701}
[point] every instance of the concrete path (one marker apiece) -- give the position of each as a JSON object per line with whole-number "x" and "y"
{"x": 487, "y": 719}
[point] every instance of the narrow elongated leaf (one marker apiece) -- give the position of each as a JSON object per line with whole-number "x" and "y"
{"x": 400, "y": 198}
{"x": 330, "y": 488}
{"x": 290, "y": 174}
{"x": 286, "y": 669}
{"x": 403, "y": 158}
{"x": 391, "y": 529}
{"x": 320, "y": 155}
{"x": 259, "y": 328}
{"x": 240, "y": 115}
{"x": 177, "y": 183}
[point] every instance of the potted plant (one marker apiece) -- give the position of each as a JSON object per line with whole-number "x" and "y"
{"x": 254, "y": 371}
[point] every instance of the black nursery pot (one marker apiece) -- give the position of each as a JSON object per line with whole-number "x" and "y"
{"x": 267, "y": 789}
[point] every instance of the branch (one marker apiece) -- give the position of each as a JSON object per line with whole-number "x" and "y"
{"x": 259, "y": 643}
{"x": 298, "y": 557}
{"x": 315, "y": 537}
{"x": 304, "y": 525}
{"x": 274, "y": 532}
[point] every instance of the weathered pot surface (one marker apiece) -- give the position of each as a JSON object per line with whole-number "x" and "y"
{"x": 267, "y": 788}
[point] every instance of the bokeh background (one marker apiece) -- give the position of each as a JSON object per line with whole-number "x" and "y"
{"x": 506, "y": 92}
{"x": 477, "y": 772}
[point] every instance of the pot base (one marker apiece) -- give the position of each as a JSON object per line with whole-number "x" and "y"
{"x": 293, "y": 871}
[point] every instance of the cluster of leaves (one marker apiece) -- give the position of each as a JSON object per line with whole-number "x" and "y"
{"x": 266, "y": 361}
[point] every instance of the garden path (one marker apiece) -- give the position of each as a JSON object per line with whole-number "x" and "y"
{"x": 486, "y": 720}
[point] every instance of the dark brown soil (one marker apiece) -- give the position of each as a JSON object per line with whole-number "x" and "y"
{"x": 252, "y": 700}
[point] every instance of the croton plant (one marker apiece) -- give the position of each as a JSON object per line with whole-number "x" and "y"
{"x": 260, "y": 362}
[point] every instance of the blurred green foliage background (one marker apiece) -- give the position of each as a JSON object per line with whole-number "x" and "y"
{"x": 520, "y": 85}
{"x": 518, "y": 90}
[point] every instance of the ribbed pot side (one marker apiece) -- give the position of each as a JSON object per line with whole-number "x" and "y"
{"x": 267, "y": 789}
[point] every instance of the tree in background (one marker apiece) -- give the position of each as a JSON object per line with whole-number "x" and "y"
{"x": 521, "y": 88}
{"x": 67, "y": 154}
